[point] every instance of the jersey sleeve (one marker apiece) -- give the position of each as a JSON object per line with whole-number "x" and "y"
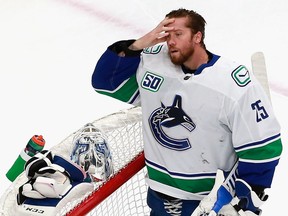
{"x": 115, "y": 75}
{"x": 256, "y": 135}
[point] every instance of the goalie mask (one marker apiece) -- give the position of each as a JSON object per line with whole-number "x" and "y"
{"x": 92, "y": 153}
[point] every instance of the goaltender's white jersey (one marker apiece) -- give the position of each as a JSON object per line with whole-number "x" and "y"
{"x": 193, "y": 125}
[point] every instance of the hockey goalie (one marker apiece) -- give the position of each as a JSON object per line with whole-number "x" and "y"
{"x": 54, "y": 181}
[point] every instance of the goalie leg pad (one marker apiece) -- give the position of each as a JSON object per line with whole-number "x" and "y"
{"x": 208, "y": 201}
{"x": 218, "y": 198}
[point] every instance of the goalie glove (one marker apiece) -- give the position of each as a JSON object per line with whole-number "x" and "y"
{"x": 49, "y": 177}
{"x": 54, "y": 183}
{"x": 46, "y": 179}
{"x": 247, "y": 199}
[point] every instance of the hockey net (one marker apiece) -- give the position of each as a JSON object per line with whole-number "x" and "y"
{"x": 124, "y": 193}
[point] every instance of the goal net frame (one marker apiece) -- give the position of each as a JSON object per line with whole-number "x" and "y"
{"x": 124, "y": 193}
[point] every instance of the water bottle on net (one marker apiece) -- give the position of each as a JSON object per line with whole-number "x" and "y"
{"x": 34, "y": 145}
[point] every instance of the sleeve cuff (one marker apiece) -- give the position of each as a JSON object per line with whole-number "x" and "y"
{"x": 120, "y": 46}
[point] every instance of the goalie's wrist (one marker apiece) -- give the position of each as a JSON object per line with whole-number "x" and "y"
{"x": 251, "y": 198}
{"x": 126, "y": 48}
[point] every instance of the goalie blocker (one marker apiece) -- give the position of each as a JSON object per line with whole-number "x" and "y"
{"x": 52, "y": 182}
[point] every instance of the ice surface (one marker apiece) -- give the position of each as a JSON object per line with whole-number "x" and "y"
{"x": 48, "y": 50}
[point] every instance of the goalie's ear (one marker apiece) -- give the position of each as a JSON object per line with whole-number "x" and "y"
{"x": 38, "y": 161}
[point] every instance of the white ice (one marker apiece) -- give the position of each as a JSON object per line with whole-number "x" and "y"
{"x": 49, "y": 48}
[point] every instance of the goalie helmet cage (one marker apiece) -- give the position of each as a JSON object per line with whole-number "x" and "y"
{"x": 124, "y": 193}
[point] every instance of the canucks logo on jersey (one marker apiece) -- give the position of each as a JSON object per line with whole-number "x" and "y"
{"x": 241, "y": 76}
{"x": 171, "y": 116}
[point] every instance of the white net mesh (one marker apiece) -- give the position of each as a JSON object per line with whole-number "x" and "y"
{"x": 124, "y": 133}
